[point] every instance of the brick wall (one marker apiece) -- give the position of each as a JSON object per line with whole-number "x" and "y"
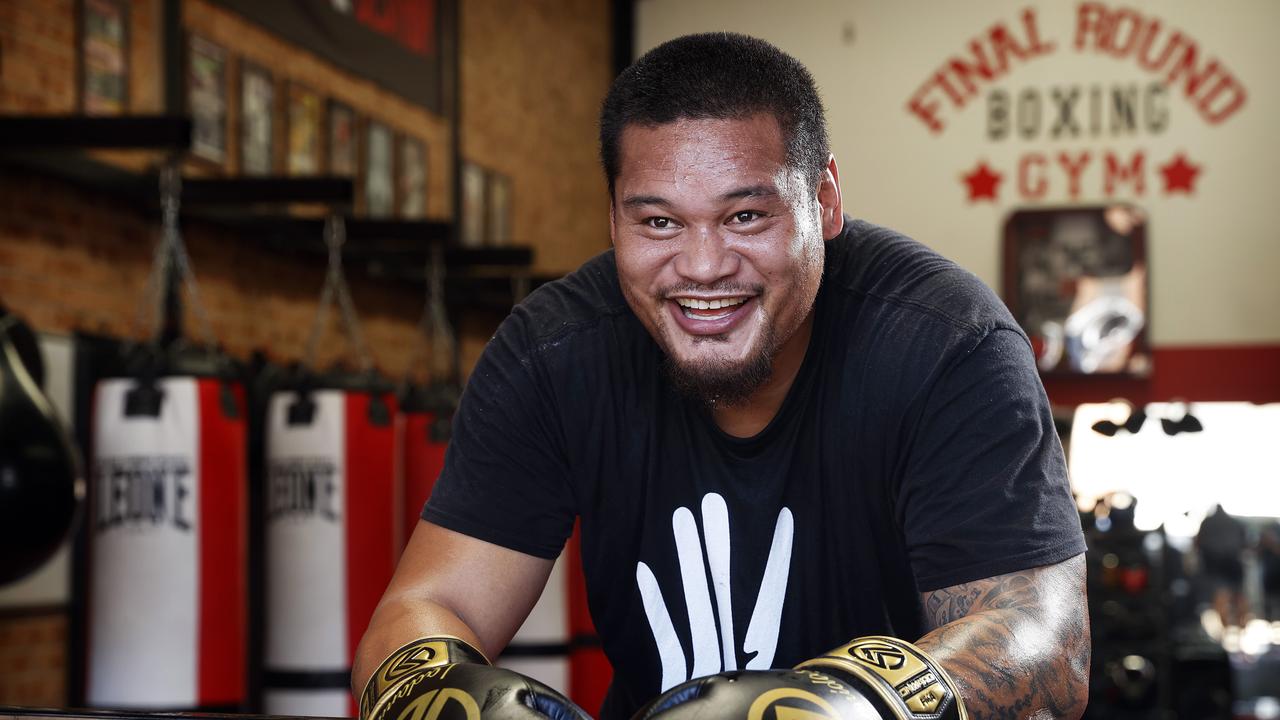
{"x": 533, "y": 77}
{"x": 33, "y": 655}
{"x": 532, "y": 74}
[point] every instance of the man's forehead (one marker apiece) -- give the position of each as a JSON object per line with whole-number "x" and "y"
{"x": 736, "y": 152}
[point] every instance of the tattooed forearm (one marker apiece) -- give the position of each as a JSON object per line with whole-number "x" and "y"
{"x": 1017, "y": 645}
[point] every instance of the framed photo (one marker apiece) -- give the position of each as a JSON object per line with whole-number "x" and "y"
{"x": 498, "y": 205}
{"x": 379, "y": 182}
{"x": 207, "y": 98}
{"x": 342, "y": 151}
{"x": 471, "y": 224}
{"x": 104, "y": 57}
{"x": 1076, "y": 280}
{"x": 257, "y": 120}
{"x": 304, "y": 120}
{"x": 412, "y": 178}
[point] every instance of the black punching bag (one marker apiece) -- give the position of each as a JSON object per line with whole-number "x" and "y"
{"x": 40, "y": 484}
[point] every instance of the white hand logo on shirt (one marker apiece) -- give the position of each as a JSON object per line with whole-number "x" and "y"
{"x": 712, "y": 655}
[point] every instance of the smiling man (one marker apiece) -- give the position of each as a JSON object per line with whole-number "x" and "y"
{"x": 813, "y": 462}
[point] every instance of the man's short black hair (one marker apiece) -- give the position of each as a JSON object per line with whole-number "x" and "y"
{"x": 717, "y": 76}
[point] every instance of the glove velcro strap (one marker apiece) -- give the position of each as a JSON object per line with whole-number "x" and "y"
{"x": 912, "y": 684}
{"x": 411, "y": 659}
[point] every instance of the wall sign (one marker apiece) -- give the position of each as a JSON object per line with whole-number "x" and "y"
{"x": 1094, "y": 121}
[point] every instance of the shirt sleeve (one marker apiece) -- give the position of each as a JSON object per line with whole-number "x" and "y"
{"x": 986, "y": 490}
{"x": 505, "y": 480}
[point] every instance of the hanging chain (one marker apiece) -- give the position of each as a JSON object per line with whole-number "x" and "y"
{"x": 170, "y": 257}
{"x": 335, "y": 287}
{"x": 443, "y": 344}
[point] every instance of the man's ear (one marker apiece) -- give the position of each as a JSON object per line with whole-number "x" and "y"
{"x": 832, "y": 208}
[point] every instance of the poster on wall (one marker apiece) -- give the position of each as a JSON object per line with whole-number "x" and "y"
{"x": 104, "y": 57}
{"x": 498, "y": 204}
{"x": 304, "y": 120}
{"x": 379, "y": 186}
{"x": 412, "y": 178}
{"x": 399, "y": 45}
{"x": 342, "y": 140}
{"x": 257, "y": 121}
{"x": 473, "y": 197}
{"x": 207, "y": 99}
{"x": 1076, "y": 280}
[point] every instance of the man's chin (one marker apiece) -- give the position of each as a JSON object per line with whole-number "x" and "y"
{"x": 719, "y": 383}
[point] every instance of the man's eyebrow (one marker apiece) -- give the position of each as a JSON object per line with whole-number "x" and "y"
{"x": 751, "y": 191}
{"x": 635, "y": 201}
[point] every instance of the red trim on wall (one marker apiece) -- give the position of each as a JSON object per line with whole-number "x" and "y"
{"x": 1241, "y": 373}
{"x": 372, "y": 544}
{"x": 223, "y": 621}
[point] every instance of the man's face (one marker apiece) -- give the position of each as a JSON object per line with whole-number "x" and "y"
{"x": 719, "y": 246}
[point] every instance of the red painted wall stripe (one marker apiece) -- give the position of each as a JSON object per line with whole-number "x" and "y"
{"x": 1248, "y": 373}
{"x": 223, "y": 538}
{"x": 372, "y": 544}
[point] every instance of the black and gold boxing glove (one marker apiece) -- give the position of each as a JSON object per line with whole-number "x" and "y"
{"x": 761, "y": 695}
{"x": 903, "y": 681}
{"x": 444, "y": 678}
{"x": 871, "y": 678}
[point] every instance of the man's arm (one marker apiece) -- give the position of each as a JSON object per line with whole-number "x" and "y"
{"x": 1017, "y": 645}
{"x": 448, "y": 583}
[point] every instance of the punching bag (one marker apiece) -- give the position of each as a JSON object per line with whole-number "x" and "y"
{"x": 40, "y": 484}
{"x": 423, "y": 427}
{"x": 331, "y": 539}
{"x": 167, "y": 610}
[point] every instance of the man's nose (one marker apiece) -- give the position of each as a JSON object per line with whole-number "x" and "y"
{"x": 704, "y": 258}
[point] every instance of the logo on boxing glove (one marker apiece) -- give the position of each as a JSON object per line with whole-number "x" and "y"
{"x": 791, "y": 704}
{"x": 885, "y": 657}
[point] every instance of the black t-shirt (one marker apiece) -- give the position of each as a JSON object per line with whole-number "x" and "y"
{"x": 915, "y": 450}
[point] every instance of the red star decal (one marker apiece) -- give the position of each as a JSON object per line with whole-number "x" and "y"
{"x": 982, "y": 182}
{"x": 1180, "y": 175}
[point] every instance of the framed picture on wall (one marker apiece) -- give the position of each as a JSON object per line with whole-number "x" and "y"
{"x": 207, "y": 98}
{"x": 342, "y": 152}
{"x": 498, "y": 204}
{"x": 471, "y": 225}
{"x": 257, "y": 120}
{"x": 1076, "y": 280}
{"x": 411, "y": 178}
{"x": 104, "y": 57}
{"x": 304, "y": 121}
{"x": 379, "y": 182}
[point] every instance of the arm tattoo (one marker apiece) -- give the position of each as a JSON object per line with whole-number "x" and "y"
{"x": 1017, "y": 645}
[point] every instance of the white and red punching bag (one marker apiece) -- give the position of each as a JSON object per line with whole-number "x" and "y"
{"x": 167, "y": 607}
{"x": 332, "y": 541}
{"x": 423, "y": 426}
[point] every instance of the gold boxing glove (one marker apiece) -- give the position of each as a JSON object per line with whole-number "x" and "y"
{"x": 444, "y": 678}
{"x": 906, "y": 682}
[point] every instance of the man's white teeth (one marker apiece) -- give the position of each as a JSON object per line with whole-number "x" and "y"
{"x": 693, "y": 304}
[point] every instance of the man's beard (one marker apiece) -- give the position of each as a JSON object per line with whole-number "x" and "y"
{"x": 722, "y": 384}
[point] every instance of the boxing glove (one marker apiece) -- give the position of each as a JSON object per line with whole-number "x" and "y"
{"x": 871, "y": 678}
{"x": 900, "y": 679}
{"x": 444, "y": 678}
{"x": 761, "y": 695}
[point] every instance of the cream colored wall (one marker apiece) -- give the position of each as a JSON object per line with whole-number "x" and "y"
{"x": 1214, "y": 255}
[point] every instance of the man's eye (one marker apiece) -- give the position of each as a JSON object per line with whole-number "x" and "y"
{"x": 659, "y": 223}
{"x": 746, "y": 216}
